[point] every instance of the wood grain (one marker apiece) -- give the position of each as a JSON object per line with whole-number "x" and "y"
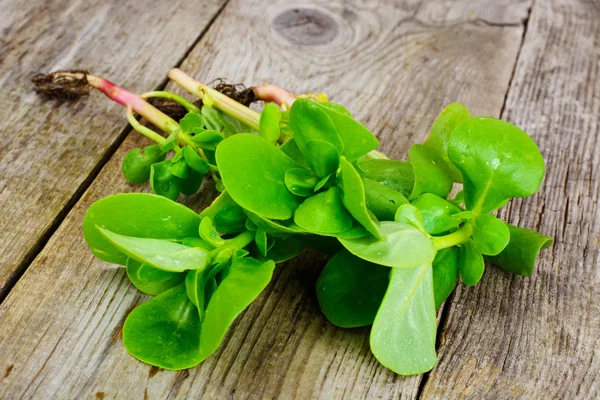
{"x": 395, "y": 66}
{"x": 50, "y": 148}
{"x": 537, "y": 337}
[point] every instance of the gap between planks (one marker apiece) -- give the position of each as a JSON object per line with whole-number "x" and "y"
{"x": 448, "y": 303}
{"x": 85, "y": 184}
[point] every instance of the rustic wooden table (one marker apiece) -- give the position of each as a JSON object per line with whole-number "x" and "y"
{"x": 395, "y": 64}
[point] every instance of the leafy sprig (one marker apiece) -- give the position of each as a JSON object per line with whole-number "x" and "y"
{"x": 305, "y": 173}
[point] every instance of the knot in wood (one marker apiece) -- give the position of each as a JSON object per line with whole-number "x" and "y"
{"x": 306, "y": 26}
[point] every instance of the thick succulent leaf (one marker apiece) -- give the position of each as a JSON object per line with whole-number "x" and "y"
{"x": 357, "y": 139}
{"x": 136, "y": 163}
{"x": 429, "y": 177}
{"x": 153, "y": 287}
{"x": 163, "y": 181}
{"x": 165, "y": 331}
{"x": 158, "y": 253}
{"x": 437, "y": 213}
{"x": 445, "y": 274}
{"x": 405, "y": 246}
{"x": 353, "y": 197}
{"x": 404, "y": 332}
{"x": 521, "y": 252}
{"x": 350, "y": 290}
{"x": 397, "y": 175}
{"x": 245, "y": 280}
{"x": 253, "y": 172}
{"x": 437, "y": 142}
{"x": 382, "y": 200}
{"x": 497, "y": 160}
{"x": 269, "y": 122}
{"x": 139, "y": 215}
{"x": 470, "y": 263}
{"x": 490, "y": 234}
{"x": 323, "y": 213}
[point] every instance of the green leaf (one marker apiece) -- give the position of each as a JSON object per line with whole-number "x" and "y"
{"x": 357, "y": 139}
{"x": 245, "y": 280}
{"x": 260, "y": 239}
{"x": 324, "y": 183}
{"x": 146, "y": 273}
{"x": 138, "y": 215}
{"x": 382, "y": 200}
{"x": 350, "y": 290}
{"x": 216, "y": 120}
{"x": 153, "y": 287}
{"x": 180, "y": 169}
{"x": 470, "y": 263}
{"x": 404, "y": 332}
{"x": 209, "y": 234}
{"x": 253, "y": 172}
{"x": 191, "y": 184}
{"x": 335, "y": 107}
{"x": 322, "y": 157}
{"x": 284, "y": 249}
{"x": 310, "y": 122}
{"x": 437, "y": 213}
{"x": 230, "y": 219}
{"x": 136, "y": 163}
{"x": 405, "y": 246}
{"x": 274, "y": 227}
{"x": 208, "y": 140}
{"x": 498, "y": 161}
{"x": 165, "y": 331}
{"x": 223, "y": 200}
{"x": 161, "y": 254}
{"x": 323, "y": 213}
{"x": 521, "y": 252}
{"x": 194, "y": 161}
{"x": 290, "y": 148}
{"x": 490, "y": 234}
{"x": 195, "y": 284}
{"x": 445, "y": 274}
{"x": 429, "y": 177}
{"x": 353, "y": 197}
{"x": 397, "y": 175}
{"x": 300, "y": 181}
{"x": 437, "y": 142}
{"x": 410, "y": 215}
{"x": 163, "y": 182}
{"x": 192, "y": 123}
{"x": 269, "y": 122}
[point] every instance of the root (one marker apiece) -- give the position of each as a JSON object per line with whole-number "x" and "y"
{"x": 172, "y": 108}
{"x": 235, "y": 91}
{"x": 62, "y": 85}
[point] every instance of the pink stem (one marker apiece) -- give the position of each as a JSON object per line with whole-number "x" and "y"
{"x": 139, "y": 105}
{"x": 275, "y": 94}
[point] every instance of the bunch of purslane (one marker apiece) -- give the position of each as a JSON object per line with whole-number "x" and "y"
{"x": 401, "y": 234}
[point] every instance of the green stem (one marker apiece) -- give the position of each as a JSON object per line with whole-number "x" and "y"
{"x": 149, "y": 133}
{"x": 458, "y": 237}
{"x": 239, "y": 242}
{"x": 172, "y": 96}
{"x": 227, "y": 105}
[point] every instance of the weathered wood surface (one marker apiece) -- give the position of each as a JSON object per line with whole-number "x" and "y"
{"x": 395, "y": 66}
{"x": 49, "y": 150}
{"x": 539, "y": 337}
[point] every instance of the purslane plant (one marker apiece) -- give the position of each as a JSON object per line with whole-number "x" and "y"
{"x": 401, "y": 234}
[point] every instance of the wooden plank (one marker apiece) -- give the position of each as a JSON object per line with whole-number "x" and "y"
{"x": 49, "y": 149}
{"x": 395, "y": 67}
{"x": 537, "y": 337}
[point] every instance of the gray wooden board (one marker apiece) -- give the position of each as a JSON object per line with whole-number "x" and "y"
{"x": 49, "y": 148}
{"x": 538, "y": 337}
{"x": 395, "y": 67}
